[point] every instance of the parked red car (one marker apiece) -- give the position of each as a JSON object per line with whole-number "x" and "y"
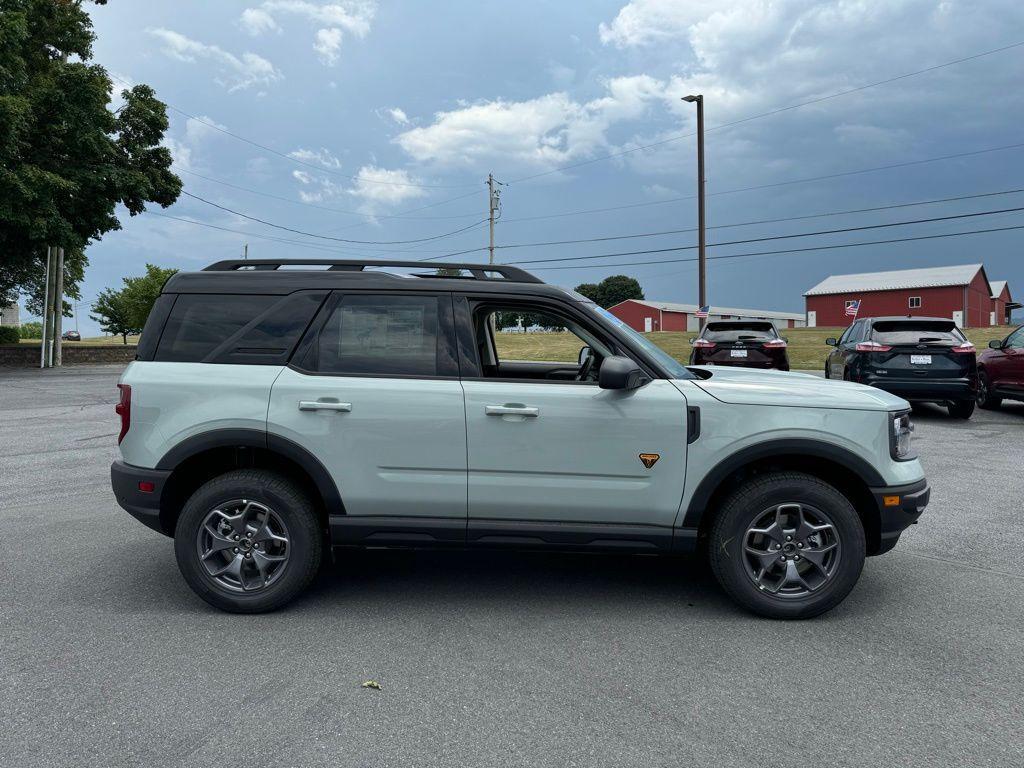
{"x": 1001, "y": 370}
{"x": 748, "y": 343}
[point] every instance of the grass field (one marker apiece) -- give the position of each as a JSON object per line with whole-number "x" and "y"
{"x": 807, "y": 348}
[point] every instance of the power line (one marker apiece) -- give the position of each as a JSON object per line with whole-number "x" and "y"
{"x": 773, "y": 184}
{"x": 792, "y": 250}
{"x": 314, "y": 205}
{"x": 327, "y": 237}
{"x": 776, "y": 237}
{"x": 770, "y": 113}
{"x": 761, "y": 221}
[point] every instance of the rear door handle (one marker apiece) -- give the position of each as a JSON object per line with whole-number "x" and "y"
{"x": 511, "y": 410}
{"x": 323, "y": 405}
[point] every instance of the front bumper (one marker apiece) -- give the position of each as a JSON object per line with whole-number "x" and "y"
{"x": 898, "y": 508}
{"x": 924, "y": 389}
{"x": 144, "y": 506}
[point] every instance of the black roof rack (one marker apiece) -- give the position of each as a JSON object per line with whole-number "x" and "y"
{"x": 476, "y": 271}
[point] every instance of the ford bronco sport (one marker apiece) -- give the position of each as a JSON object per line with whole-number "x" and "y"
{"x": 277, "y": 410}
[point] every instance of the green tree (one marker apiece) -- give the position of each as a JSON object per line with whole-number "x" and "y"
{"x": 611, "y": 290}
{"x": 114, "y": 314}
{"x": 125, "y": 311}
{"x": 31, "y": 330}
{"x": 66, "y": 158}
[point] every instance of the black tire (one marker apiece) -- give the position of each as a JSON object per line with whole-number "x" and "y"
{"x": 846, "y": 374}
{"x": 747, "y": 504}
{"x": 961, "y": 409}
{"x": 986, "y": 399}
{"x": 828, "y": 374}
{"x": 290, "y": 505}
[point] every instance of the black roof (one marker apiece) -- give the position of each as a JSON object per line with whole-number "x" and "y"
{"x": 266, "y": 276}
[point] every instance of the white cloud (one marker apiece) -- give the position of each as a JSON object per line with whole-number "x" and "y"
{"x": 198, "y": 132}
{"x": 334, "y": 20}
{"x": 236, "y": 72}
{"x": 327, "y": 45}
{"x": 645, "y": 22}
{"x": 257, "y": 21}
{"x": 398, "y": 115}
{"x": 320, "y": 157}
{"x": 375, "y": 188}
{"x": 545, "y": 131}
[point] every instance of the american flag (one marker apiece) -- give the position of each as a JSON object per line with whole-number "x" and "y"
{"x": 852, "y": 308}
{"x": 702, "y": 311}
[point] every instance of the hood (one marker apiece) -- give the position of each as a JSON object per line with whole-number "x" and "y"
{"x": 747, "y": 386}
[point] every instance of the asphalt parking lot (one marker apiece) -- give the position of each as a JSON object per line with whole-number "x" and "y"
{"x": 107, "y": 658}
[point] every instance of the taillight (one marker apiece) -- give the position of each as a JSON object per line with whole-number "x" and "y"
{"x": 703, "y": 344}
{"x": 124, "y": 410}
{"x": 965, "y": 349}
{"x": 775, "y": 344}
{"x": 872, "y": 346}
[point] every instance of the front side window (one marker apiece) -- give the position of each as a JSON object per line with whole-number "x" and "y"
{"x": 380, "y": 335}
{"x": 1016, "y": 339}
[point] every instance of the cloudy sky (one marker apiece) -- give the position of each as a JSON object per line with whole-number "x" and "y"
{"x": 379, "y": 122}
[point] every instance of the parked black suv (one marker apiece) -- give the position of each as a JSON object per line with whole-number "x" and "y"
{"x": 749, "y": 343}
{"x": 921, "y": 359}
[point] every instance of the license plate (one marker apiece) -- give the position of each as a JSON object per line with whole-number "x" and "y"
{"x": 737, "y": 353}
{"x": 920, "y": 359}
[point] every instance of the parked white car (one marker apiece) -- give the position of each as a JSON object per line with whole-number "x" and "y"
{"x": 272, "y": 414}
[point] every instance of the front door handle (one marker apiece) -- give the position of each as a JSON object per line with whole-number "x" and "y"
{"x": 511, "y": 410}
{"x": 324, "y": 405}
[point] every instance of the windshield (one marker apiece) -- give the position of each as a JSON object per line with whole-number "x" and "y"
{"x": 917, "y": 332}
{"x": 737, "y": 331}
{"x": 674, "y": 368}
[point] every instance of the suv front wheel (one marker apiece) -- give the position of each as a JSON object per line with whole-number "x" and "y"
{"x": 248, "y": 541}
{"x": 787, "y": 545}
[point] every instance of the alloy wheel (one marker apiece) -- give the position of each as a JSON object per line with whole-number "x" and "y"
{"x": 243, "y": 546}
{"x": 791, "y": 550}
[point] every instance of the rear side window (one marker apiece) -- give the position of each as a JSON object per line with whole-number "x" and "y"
{"x": 916, "y": 332}
{"x": 739, "y": 331}
{"x": 381, "y": 335}
{"x": 236, "y": 329}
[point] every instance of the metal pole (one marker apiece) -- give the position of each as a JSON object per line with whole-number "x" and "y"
{"x": 490, "y": 214}
{"x": 46, "y": 309}
{"x": 58, "y": 310}
{"x": 701, "y": 243}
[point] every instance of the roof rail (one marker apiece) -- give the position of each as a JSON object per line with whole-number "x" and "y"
{"x": 476, "y": 271}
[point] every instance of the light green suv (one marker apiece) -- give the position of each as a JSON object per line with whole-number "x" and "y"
{"x": 275, "y": 413}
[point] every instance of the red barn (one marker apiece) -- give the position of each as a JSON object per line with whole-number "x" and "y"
{"x": 961, "y": 293}
{"x": 1002, "y": 303}
{"x": 643, "y": 315}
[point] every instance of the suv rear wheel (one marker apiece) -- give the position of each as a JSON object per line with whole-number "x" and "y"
{"x": 961, "y": 409}
{"x": 787, "y": 545}
{"x": 248, "y": 541}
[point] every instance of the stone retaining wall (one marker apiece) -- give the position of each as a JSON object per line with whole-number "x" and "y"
{"x": 27, "y": 355}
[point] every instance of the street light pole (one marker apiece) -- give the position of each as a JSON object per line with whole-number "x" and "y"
{"x": 702, "y": 300}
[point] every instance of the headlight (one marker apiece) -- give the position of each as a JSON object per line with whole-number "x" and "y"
{"x": 900, "y": 433}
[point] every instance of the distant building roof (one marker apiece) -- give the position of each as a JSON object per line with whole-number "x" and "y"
{"x": 997, "y": 287}
{"x": 671, "y": 306}
{"x": 932, "y": 277}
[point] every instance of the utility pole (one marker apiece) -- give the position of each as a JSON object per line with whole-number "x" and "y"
{"x": 58, "y": 311}
{"x": 702, "y": 300}
{"x": 46, "y": 307}
{"x": 245, "y": 251}
{"x": 493, "y": 206}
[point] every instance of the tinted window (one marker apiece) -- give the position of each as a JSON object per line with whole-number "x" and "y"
{"x": 916, "y": 332}
{"x": 739, "y": 331}
{"x": 199, "y": 323}
{"x": 390, "y": 335}
{"x": 269, "y": 338}
{"x": 154, "y": 326}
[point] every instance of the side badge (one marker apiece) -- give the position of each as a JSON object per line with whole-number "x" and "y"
{"x": 649, "y": 459}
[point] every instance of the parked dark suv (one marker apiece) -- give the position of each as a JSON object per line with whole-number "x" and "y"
{"x": 750, "y": 343}
{"x": 1001, "y": 370}
{"x": 921, "y": 359}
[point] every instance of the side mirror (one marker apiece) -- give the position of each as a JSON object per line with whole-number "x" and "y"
{"x": 831, "y": 341}
{"x": 996, "y": 344}
{"x": 786, "y": 339}
{"x": 585, "y": 352}
{"x": 620, "y": 373}
{"x": 691, "y": 342}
